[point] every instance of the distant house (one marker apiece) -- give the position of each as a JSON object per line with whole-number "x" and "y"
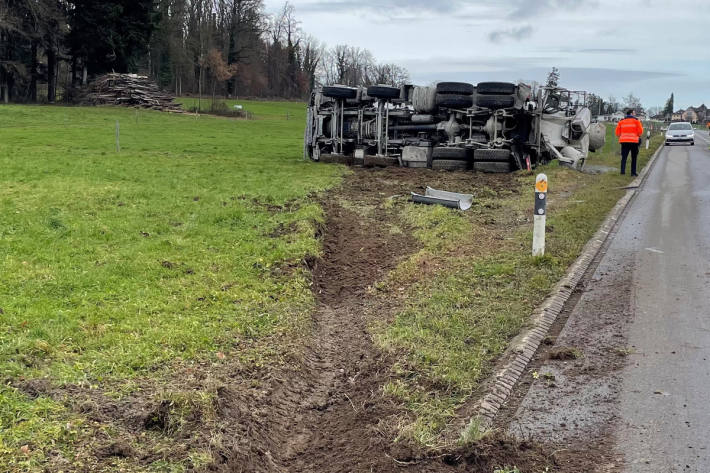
{"x": 703, "y": 113}
{"x": 615, "y": 117}
{"x": 690, "y": 115}
{"x": 677, "y": 116}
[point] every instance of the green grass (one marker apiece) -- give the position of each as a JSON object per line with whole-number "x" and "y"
{"x": 117, "y": 265}
{"x": 456, "y": 323}
{"x": 256, "y": 108}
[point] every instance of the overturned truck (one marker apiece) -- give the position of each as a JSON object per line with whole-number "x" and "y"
{"x": 490, "y": 127}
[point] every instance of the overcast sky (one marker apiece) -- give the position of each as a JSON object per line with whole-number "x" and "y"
{"x": 610, "y": 47}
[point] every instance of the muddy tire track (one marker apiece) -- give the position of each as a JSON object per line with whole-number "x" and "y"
{"x": 327, "y": 413}
{"x": 323, "y": 413}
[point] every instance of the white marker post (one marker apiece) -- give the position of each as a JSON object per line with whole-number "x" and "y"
{"x": 540, "y": 215}
{"x": 648, "y": 137}
{"x": 118, "y": 137}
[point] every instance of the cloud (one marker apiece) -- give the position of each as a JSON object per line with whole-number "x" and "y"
{"x": 593, "y": 79}
{"x": 527, "y": 8}
{"x": 388, "y": 8}
{"x": 592, "y": 50}
{"x": 601, "y": 74}
{"x": 515, "y": 33}
{"x": 607, "y": 50}
{"x": 478, "y": 64}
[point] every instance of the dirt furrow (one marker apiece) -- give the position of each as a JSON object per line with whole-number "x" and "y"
{"x": 327, "y": 412}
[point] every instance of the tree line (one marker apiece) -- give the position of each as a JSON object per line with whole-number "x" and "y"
{"x": 50, "y": 48}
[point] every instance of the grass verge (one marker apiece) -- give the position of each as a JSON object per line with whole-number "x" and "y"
{"x": 459, "y": 317}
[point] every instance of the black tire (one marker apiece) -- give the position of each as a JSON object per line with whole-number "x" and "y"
{"x": 383, "y": 92}
{"x": 495, "y": 102}
{"x": 495, "y": 88}
{"x": 457, "y": 88}
{"x": 454, "y": 101}
{"x": 449, "y": 165}
{"x": 491, "y": 167}
{"x": 492, "y": 155}
{"x": 406, "y": 93}
{"x": 338, "y": 92}
{"x": 423, "y": 99}
{"x": 449, "y": 153}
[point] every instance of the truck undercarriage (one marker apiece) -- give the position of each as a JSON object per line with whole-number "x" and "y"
{"x": 490, "y": 127}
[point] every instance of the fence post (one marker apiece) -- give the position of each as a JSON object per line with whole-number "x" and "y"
{"x": 540, "y": 215}
{"x": 118, "y": 140}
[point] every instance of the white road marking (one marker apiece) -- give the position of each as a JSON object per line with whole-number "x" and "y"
{"x": 655, "y": 250}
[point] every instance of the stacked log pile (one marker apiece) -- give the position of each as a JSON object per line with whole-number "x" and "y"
{"x": 130, "y": 90}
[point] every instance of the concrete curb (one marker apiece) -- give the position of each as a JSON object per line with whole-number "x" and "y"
{"x": 545, "y": 315}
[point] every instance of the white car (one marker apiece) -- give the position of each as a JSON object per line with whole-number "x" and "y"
{"x": 680, "y": 132}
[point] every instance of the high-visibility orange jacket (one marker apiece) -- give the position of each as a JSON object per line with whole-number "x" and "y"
{"x": 629, "y": 130}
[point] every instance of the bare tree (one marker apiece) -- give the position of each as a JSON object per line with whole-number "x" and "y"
{"x": 312, "y": 55}
{"x": 631, "y": 101}
{"x": 392, "y": 74}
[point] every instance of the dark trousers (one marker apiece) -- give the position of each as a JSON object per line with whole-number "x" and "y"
{"x": 625, "y": 149}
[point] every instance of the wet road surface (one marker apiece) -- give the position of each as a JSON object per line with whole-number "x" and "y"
{"x": 648, "y": 300}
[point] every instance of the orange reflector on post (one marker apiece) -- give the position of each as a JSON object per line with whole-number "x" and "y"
{"x": 541, "y": 183}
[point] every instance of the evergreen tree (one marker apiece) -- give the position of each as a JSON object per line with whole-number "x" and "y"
{"x": 553, "y": 78}
{"x": 111, "y": 35}
{"x": 668, "y": 109}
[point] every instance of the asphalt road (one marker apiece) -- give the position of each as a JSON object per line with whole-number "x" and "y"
{"x": 649, "y": 300}
{"x": 665, "y": 396}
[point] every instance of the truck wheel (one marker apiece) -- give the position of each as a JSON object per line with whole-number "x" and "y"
{"x": 495, "y": 101}
{"x": 454, "y": 101}
{"x": 495, "y": 88}
{"x": 449, "y": 165}
{"x": 339, "y": 92}
{"x": 491, "y": 167}
{"x": 383, "y": 92}
{"x": 459, "y": 88}
{"x": 424, "y": 99}
{"x": 492, "y": 155}
{"x": 449, "y": 153}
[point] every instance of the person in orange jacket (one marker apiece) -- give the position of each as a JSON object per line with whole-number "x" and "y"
{"x": 629, "y": 130}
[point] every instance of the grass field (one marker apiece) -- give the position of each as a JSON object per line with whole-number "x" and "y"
{"x": 256, "y": 109}
{"x": 120, "y": 265}
{"x": 183, "y": 251}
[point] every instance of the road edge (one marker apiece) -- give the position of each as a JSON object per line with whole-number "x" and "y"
{"x": 546, "y": 314}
